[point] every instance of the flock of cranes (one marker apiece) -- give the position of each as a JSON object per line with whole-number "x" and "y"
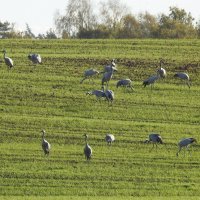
{"x": 35, "y": 58}
{"x": 109, "y": 95}
{"x": 154, "y": 138}
{"x": 108, "y": 74}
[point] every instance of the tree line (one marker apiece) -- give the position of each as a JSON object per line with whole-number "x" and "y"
{"x": 112, "y": 20}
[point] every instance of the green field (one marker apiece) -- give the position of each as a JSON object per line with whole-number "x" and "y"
{"x": 49, "y": 96}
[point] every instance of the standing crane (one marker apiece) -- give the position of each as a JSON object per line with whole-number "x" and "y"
{"x": 45, "y": 145}
{"x": 184, "y": 76}
{"x": 107, "y": 76}
{"x": 8, "y": 61}
{"x": 185, "y": 143}
{"x": 35, "y": 58}
{"x": 110, "y": 138}
{"x": 161, "y": 71}
{"x": 87, "y": 148}
{"x": 108, "y": 68}
{"x": 89, "y": 73}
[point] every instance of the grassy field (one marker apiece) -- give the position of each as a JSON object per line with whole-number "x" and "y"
{"x": 50, "y": 97}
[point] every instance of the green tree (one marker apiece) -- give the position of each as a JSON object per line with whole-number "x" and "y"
{"x": 148, "y": 25}
{"x": 5, "y": 28}
{"x": 28, "y": 32}
{"x": 130, "y": 27}
{"x": 79, "y": 16}
{"x": 50, "y": 34}
{"x": 178, "y": 24}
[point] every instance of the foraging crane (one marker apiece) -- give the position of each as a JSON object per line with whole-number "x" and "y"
{"x": 161, "y": 71}
{"x": 108, "y": 68}
{"x": 45, "y": 145}
{"x": 186, "y": 142}
{"x": 183, "y": 76}
{"x": 107, "y": 77}
{"x": 110, "y": 138}
{"x": 89, "y": 73}
{"x": 98, "y": 93}
{"x": 125, "y": 83}
{"x": 35, "y": 58}
{"x": 151, "y": 80}
{"x": 109, "y": 94}
{"x": 154, "y": 138}
{"x": 87, "y": 148}
{"x": 8, "y": 61}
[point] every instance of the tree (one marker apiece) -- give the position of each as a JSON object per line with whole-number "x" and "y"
{"x": 28, "y": 33}
{"x": 111, "y": 13}
{"x": 130, "y": 27}
{"x": 79, "y": 16}
{"x": 198, "y": 28}
{"x": 178, "y": 24}
{"x": 148, "y": 25}
{"x": 50, "y": 34}
{"x": 5, "y": 28}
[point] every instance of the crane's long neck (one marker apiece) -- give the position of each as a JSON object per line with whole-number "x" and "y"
{"x": 42, "y": 135}
{"x": 4, "y": 54}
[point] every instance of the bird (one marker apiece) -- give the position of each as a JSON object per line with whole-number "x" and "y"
{"x": 87, "y": 148}
{"x": 110, "y": 138}
{"x": 108, "y": 68}
{"x": 186, "y": 142}
{"x": 161, "y": 71}
{"x": 151, "y": 80}
{"x": 35, "y": 58}
{"x": 109, "y": 94}
{"x": 107, "y": 76}
{"x": 154, "y": 138}
{"x": 45, "y": 145}
{"x": 183, "y": 76}
{"x": 8, "y": 61}
{"x": 125, "y": 83}
{"x": 89, "y": 73}
{"x": 98, "y": 93}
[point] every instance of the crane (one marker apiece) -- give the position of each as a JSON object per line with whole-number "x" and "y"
{"x": 184, "y": 76}
{"x": 110, "y": 138}
{"x": 98, "y": 93}
{"x": 161, "y": 71}
{"x": 112, "y": 65}
{"x": 45, "y": 145}
{"x": 125, "y": 83}
{"x": 107, "y": 76}
{"x": 154, "y": 138}
{"x": 35, "y": 58}
{"x": 8, "y": 61}
{"x": 109, "y": 94}
{"x": 151, "y": 80}
{"x": 185, "y": 143}
{"x": 87, "y": 149}
{"x": 89, "y": 73}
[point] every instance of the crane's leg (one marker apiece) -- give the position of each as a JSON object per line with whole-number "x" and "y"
{"x": 187, "y": 148}
{"x": 83, "y": 79}
{"x": 106, "y": 85}
{"x": 152, "y": 148}
{"x": 131, "y": 87}
{"x": 188, "y": 84}
{"x": 178, "y": 151}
